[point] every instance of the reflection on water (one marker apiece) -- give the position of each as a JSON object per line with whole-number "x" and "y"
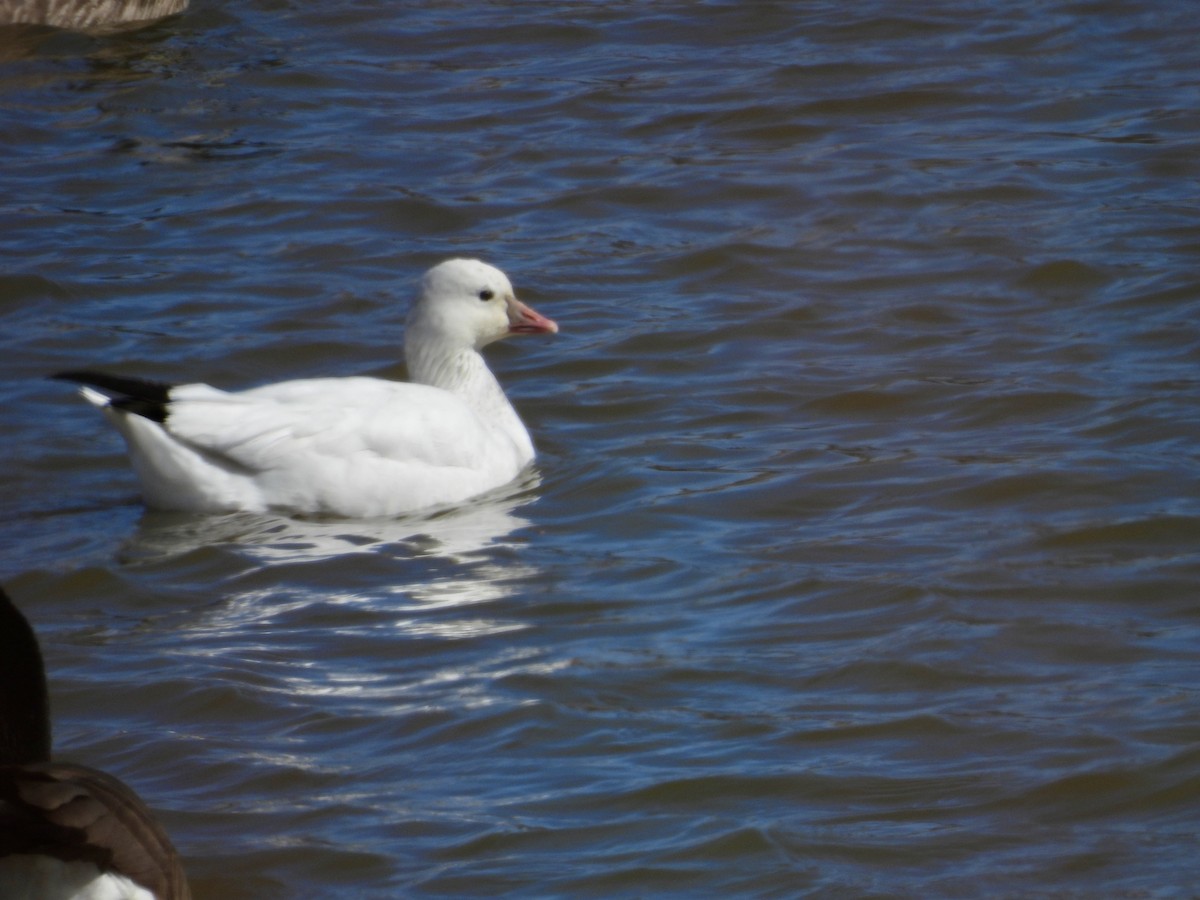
{"x": 456, "y": 558}
{"x": 455, "y": 532}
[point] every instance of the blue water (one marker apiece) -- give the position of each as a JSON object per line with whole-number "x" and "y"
{"x": 862, "y": 554}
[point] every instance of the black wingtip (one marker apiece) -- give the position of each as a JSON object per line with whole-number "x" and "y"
{"x": 139, "y": 396}
{"x": 137, "y": 388}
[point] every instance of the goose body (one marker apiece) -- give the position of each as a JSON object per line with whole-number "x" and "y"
{"x": 356, "y": 447}
{"x": 67, "y": 832}
{"x": 87, "y": 15}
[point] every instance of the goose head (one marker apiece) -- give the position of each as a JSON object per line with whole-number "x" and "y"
{"x": 467, "y": 303}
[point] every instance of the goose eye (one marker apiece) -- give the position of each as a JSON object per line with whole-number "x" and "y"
{"x": 486, "y": 295}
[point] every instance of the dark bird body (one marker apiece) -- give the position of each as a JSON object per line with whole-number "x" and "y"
{"x": 62, "y": 825}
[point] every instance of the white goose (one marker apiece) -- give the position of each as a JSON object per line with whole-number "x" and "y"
{"x": 357, "y": 447}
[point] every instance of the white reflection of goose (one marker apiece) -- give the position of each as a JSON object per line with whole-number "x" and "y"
{"x": 445, "y": 564}
{"x": 455, "y": 533}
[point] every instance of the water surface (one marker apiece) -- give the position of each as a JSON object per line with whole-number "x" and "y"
{"x": 862, "y": 556}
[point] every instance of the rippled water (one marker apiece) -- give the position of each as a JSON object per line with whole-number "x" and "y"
{"x": 862, "y": 557}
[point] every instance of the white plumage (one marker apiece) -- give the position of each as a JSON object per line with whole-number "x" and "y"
{"x": 28, "y": 877}
{"x": 354, "y": 447}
